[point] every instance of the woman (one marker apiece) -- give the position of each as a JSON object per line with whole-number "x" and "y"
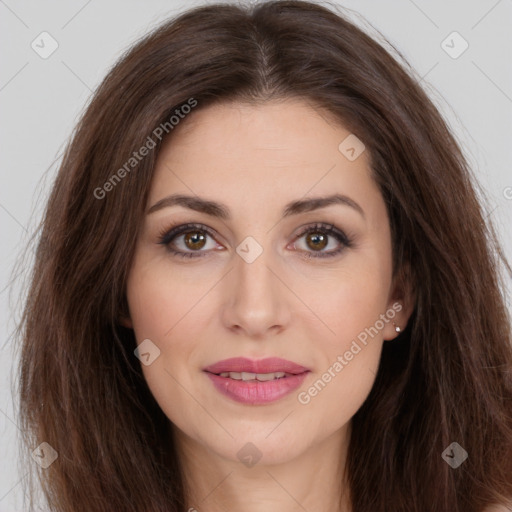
{"x": 264, "y": 281}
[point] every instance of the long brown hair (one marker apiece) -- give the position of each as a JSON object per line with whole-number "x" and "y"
{"x": 448, "y": 376}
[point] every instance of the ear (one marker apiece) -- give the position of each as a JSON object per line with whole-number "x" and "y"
{"x": 125, "y": 321}
{"x": 123, "y": 317}
{"x": 402, "y": 302}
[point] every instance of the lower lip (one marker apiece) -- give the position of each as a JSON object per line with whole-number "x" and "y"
{"x": 256, "y": 393}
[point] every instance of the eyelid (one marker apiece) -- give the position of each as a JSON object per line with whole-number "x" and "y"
{"x": 330, "y": 228}
{"x": 167, "y": 235}
{"x": 177, "y": 229}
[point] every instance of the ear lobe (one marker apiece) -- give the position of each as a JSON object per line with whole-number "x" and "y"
{"x": 125, "y": 321}
{"x": 405, "y": 295}
{"x": 124, "y": 315}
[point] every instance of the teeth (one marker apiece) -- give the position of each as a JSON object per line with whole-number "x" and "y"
{"x": 253, "y": 376}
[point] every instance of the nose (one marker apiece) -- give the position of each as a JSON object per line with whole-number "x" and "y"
{"x": 257, "y": 298}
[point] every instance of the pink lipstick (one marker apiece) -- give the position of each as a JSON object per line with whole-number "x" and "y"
{"x": 256, "y": 382}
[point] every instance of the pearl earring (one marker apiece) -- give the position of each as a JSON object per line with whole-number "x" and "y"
{"x": 397, "y": 329}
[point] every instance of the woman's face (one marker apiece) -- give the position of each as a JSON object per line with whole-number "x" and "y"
{"x": 259, "y": 276}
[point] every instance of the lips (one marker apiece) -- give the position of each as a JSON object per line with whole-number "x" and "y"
{"x": 268, "y": 365}
{"x": 256, "y": 382}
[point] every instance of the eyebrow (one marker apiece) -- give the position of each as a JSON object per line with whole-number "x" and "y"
{"x": 221, "y": 211}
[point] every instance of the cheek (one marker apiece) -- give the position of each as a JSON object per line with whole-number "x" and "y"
{"x": 158, "y": 299}
{"x": 158, "y": 309}
{"x": 164, "y": 312}
{"x": 348, "y": 300}
{"x": 349, "y": 338}
{"x": 348, "y": 357}
{"x": 164, "y": 308}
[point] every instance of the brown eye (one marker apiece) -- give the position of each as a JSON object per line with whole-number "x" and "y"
{"x": 318, "y": 237}
{"x": 194, "y": 240}
{"x": 188, "y": 240}
{"x": 316, "y": 241}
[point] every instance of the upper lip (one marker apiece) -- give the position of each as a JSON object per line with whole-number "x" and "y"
{"x": 268, "y": 365}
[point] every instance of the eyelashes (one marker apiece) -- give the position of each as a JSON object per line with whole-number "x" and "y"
{"x": 168, "y": 236}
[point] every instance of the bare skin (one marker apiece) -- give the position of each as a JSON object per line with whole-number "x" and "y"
{"x": 199, "y": 310}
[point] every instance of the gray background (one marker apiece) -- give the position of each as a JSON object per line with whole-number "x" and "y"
{"x": 40, "y": 100}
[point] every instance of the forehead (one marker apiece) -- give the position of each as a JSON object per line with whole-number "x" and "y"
{"x": 280, "y": 130}
{"x": 256, "y": 153}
